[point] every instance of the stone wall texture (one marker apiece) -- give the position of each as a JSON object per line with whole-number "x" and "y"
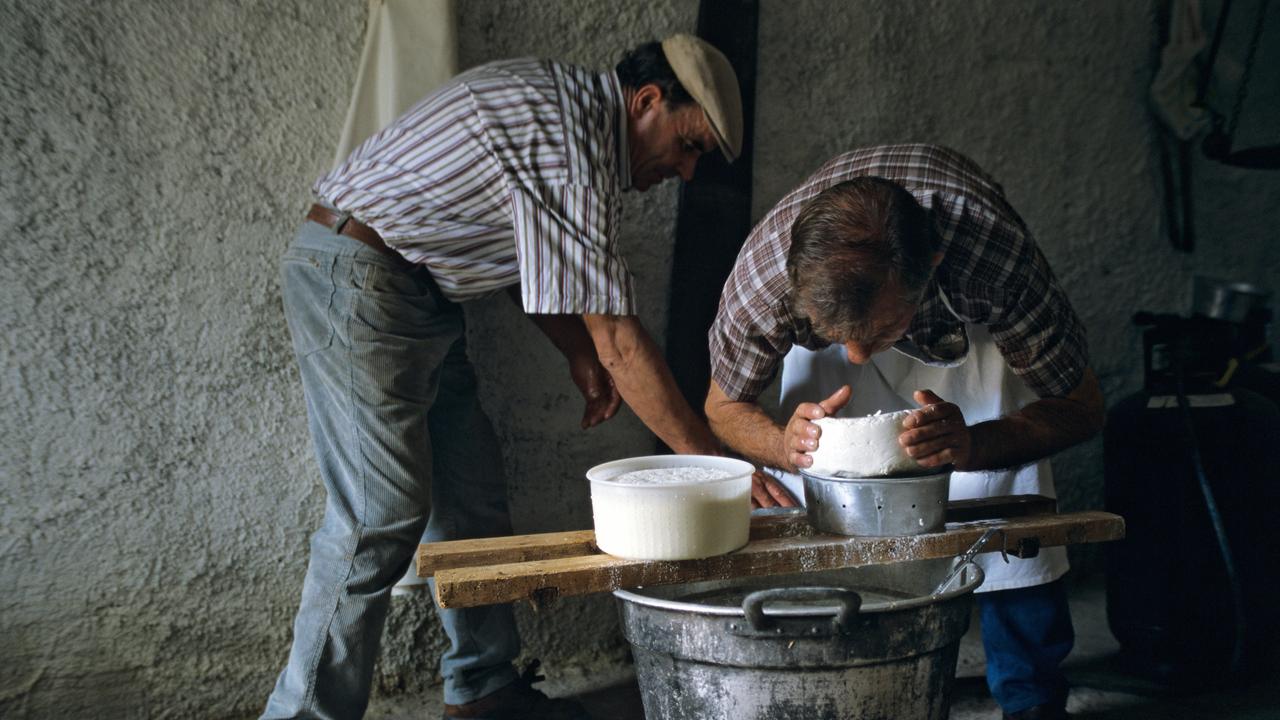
{"x": 157, "y": 487}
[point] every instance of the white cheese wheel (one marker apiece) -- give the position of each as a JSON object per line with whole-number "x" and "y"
{"x": 862, "y": 447}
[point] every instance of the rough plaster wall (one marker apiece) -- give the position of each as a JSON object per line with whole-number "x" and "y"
{"x": 156, "y": 481}
{"x": 158, "y": 486}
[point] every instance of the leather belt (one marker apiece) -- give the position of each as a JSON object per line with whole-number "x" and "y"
{"x": 344, "y": 224}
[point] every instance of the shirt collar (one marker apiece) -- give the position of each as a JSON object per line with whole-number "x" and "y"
{"x": 613, "y": 88}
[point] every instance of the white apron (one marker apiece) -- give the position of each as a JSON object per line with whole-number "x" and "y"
{"x": 984, "y": 388}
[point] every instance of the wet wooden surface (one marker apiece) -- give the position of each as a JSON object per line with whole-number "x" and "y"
{"x": 577, "y": 543}
{"x": 543, "y": 567}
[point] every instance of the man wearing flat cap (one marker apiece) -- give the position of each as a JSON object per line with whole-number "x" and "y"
{"x": 509, "y": 177}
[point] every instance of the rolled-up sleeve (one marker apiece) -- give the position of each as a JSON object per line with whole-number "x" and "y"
{"x": 567, "y": 251}
{"x": 747, "y": 341}
{"x": 753, "y": 329}
{"x": 1038, "y": 331}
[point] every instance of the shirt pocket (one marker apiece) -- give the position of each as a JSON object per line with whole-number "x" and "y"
{"x": 308, "y": 289}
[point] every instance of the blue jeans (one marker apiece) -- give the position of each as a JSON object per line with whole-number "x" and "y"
{"x": 403, "y": 446}
{"x": 1026, "y": 633}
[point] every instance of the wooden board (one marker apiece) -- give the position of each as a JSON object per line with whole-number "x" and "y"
{"x": 434, "y": 557}
{"x": 544, "y": 580}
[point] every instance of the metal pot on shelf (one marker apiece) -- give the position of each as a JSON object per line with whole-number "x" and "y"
{"x": 909, "y": 504}
{"x": 1226, "y": 300}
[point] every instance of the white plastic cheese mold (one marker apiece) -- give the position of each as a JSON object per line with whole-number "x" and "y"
{"x": 671, "y": 507}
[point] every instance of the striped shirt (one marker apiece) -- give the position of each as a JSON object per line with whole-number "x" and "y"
{"x": 510, "y": 173}
{"x": 992, "y": 273}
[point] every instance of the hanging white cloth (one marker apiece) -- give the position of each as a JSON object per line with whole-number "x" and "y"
{"x": 984, "y": 388}
{"x": 1174, "y": 87}
{"x": 410, "y": 49}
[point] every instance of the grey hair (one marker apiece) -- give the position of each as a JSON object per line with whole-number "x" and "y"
{"x": 848, "y": 243}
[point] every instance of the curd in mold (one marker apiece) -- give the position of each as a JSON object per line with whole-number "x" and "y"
{"x": 671, "y": 507}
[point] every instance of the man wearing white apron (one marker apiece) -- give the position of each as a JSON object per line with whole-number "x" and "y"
{"x": 895, "y": 278}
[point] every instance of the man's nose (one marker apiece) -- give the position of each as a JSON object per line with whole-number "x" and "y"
{"x": 857, "y": 353}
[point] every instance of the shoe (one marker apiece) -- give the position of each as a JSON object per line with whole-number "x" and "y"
{"x": 519, "y": 701}
{"x": 1048, "y": 711}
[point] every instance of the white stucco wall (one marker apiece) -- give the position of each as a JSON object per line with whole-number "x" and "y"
{"x": 156, "y": 481}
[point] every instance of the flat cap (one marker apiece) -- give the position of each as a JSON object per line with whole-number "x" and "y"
{"x": 709, "y": 78}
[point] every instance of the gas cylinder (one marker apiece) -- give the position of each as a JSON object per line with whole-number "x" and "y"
{"x": 1191, "y": 590}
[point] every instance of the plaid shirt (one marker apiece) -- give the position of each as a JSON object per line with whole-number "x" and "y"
{"x": 992, "y": 273}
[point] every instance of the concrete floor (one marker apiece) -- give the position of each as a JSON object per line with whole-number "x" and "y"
{"x": 1099, "y": 690}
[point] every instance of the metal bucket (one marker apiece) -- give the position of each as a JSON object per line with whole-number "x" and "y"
{"x": 859, "y": 644}
{"x": 877, "y": 506}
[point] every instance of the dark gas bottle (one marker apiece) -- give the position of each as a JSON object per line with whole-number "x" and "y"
{"x": 1169, "y": 597}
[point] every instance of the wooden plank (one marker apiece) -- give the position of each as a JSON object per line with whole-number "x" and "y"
{"x": 433, "y": 557}
{"x": 543, "y": 580}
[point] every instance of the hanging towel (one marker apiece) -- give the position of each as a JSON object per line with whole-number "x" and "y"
{"x": 410, "y": 48}
{"x": 1173, "y": 90}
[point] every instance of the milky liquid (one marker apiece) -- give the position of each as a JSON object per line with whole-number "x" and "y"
{"x": 671, "y": 513}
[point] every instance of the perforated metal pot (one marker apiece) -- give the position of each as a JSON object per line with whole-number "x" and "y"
{"x": 877, "y": 506}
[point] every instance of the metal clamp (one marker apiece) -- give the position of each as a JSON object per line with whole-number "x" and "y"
{"x": 965, "y": 558}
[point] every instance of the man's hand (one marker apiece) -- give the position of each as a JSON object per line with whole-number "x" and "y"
{"x": 643, "y": 380}
{"x": 936, "y": 434}
{"x": 768, "y": 492}
{"x": 597, "y": 389}
{"x": 801, "y": 436}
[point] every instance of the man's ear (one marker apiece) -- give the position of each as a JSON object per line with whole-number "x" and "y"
{"x": 936, "y": 260}
{"x": 645, "y": 97}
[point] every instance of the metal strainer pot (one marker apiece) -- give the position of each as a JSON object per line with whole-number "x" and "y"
{"x": 877, "y": 506}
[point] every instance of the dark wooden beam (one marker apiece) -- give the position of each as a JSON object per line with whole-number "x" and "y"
{"x": 715, "y": 209}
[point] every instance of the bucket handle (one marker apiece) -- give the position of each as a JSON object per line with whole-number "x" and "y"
{"x": 848, "y": 600}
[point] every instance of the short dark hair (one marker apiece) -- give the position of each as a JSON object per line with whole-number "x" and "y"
{"x": 646, "y": 65}
{"x": 847, "y": 243}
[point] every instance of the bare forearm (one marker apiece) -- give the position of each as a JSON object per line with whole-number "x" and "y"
{"x": 747, "y": 429}
{"x": 566, "y": 332}
{"x": 645, "y": 382}
{"x": 1044, "y": 427}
